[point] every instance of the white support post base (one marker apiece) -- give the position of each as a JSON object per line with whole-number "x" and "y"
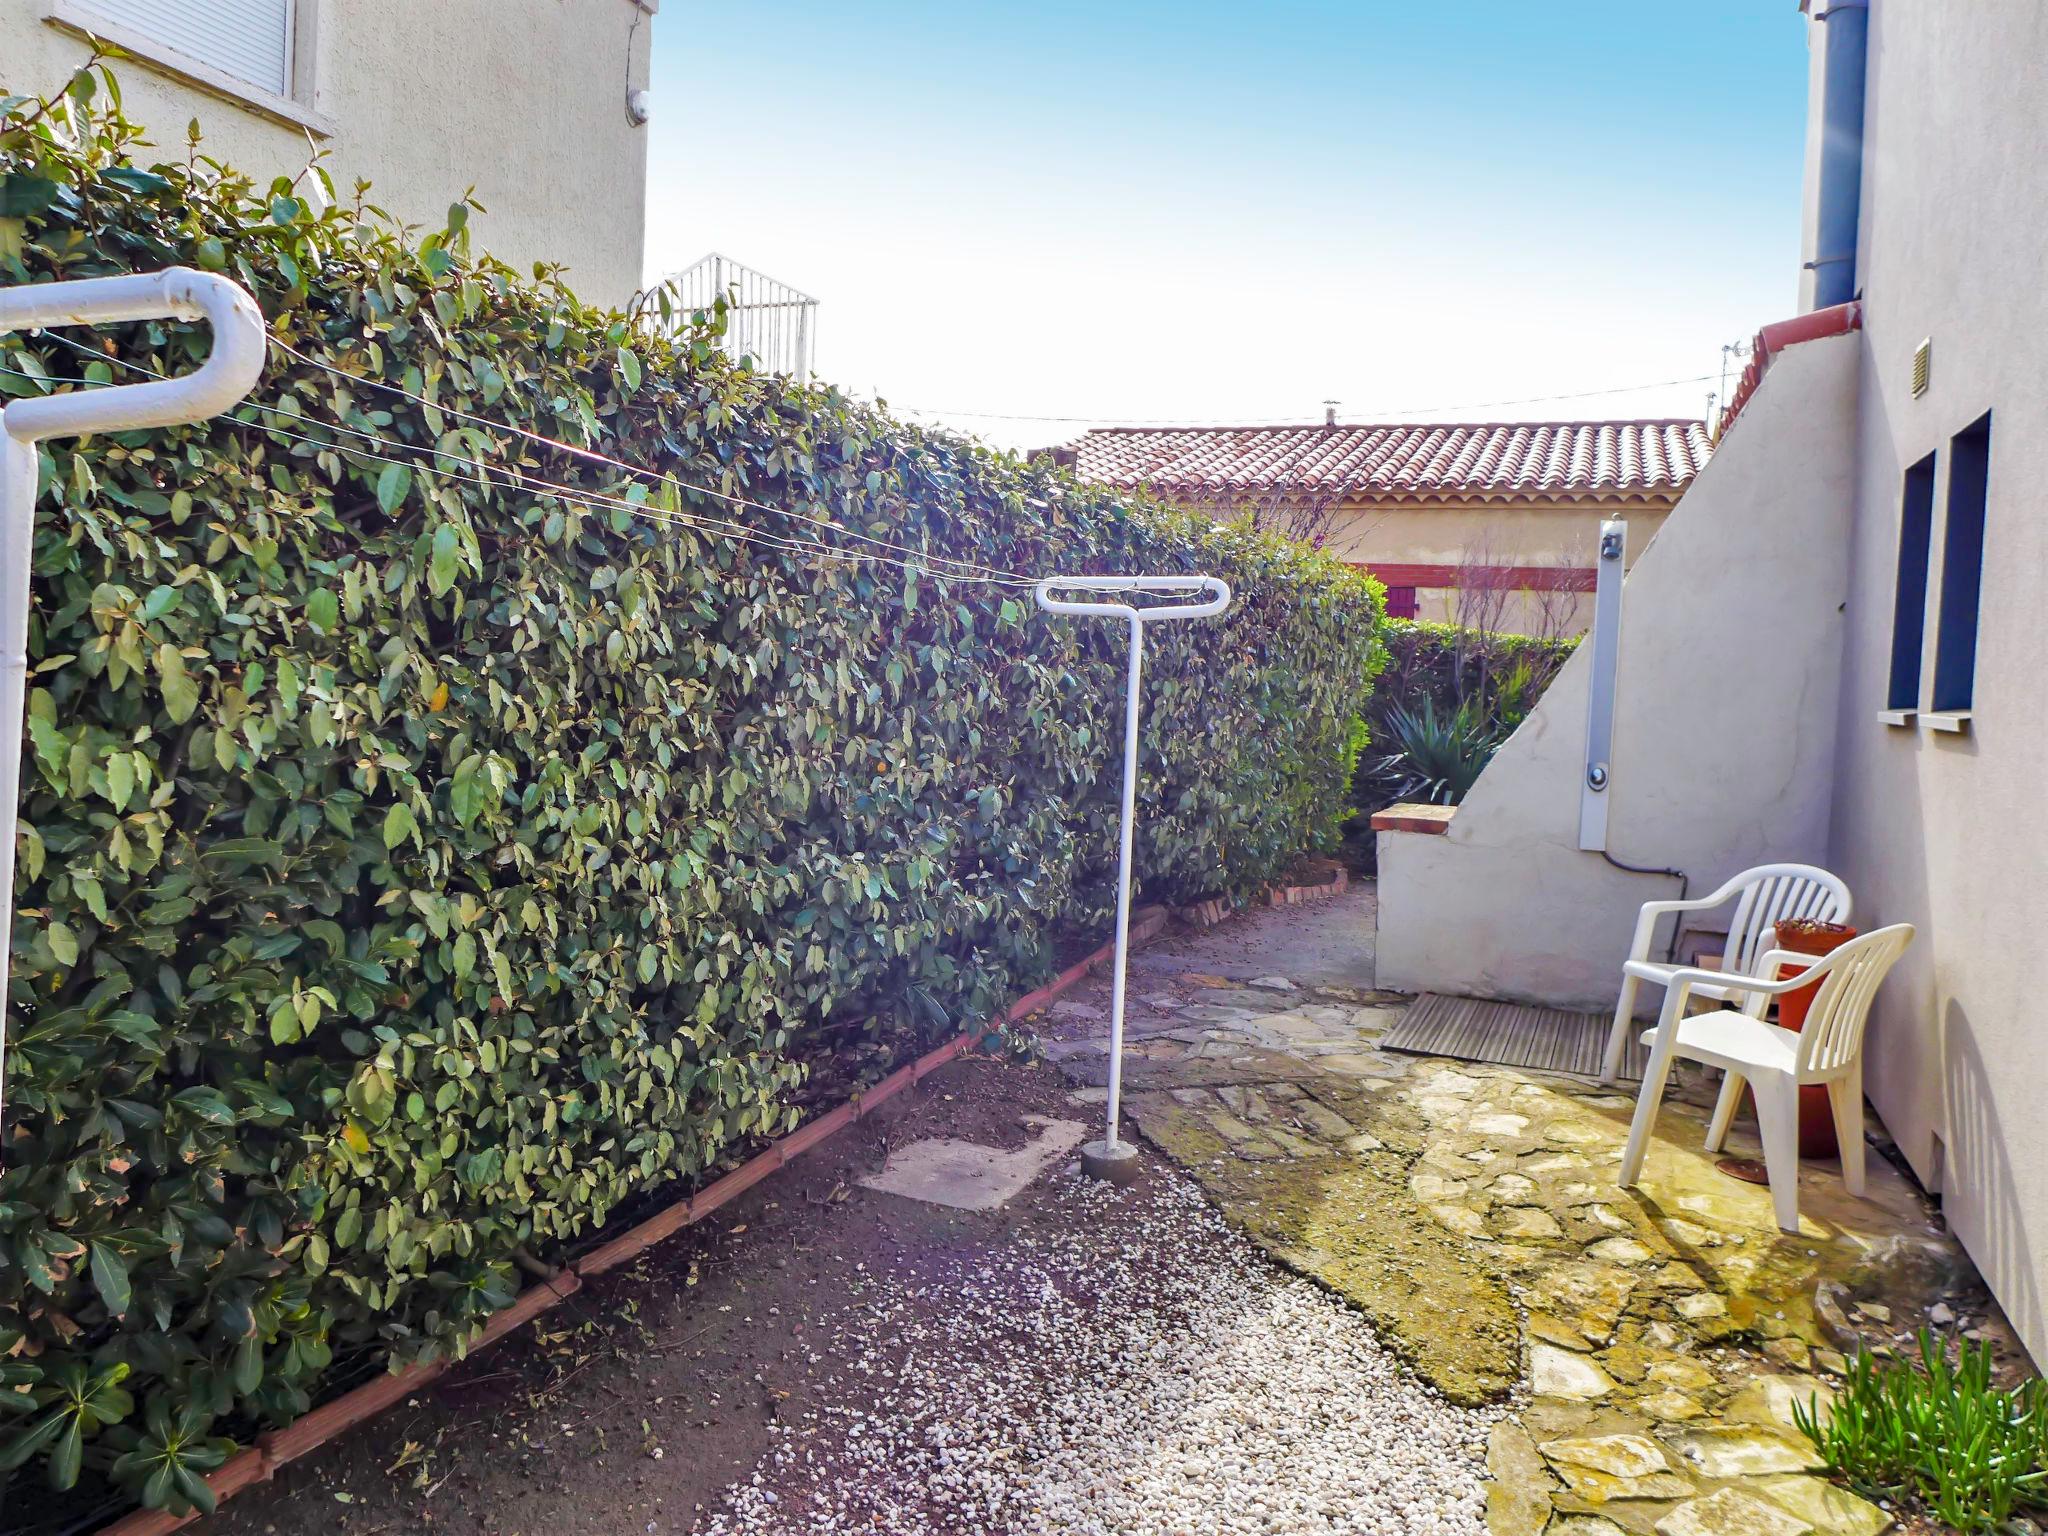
{"x": 1112, "y": 1163}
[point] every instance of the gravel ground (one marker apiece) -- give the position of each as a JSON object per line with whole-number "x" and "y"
{"x": 822, "y": 1359}
{"x": 1136, "y": 1370}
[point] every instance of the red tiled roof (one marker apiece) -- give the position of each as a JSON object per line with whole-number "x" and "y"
{"x": 1423, "y": 461}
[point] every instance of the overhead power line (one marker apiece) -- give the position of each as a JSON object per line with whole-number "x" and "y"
{"x": 1285, "y": 418}
{"x": 592, "y": 456}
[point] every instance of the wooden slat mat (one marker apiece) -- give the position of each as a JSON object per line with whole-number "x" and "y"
{"x": 1511, "y": 1035}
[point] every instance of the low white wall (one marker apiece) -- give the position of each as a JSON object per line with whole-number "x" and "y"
{"x": 1731, "y": 652}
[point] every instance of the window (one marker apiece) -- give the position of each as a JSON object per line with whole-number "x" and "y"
{"x": 255, "y": 53}
{"x": 1962, "y": 567}
{"x": 1909, "y": 604}
{"x": 246, "y": 40}
{"x": 1400, "y": 602}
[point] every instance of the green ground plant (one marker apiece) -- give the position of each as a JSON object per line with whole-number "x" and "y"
{"x": 418, "y": 861}
{"x": 1435, "y": 757}
{"x": 1937, "y": 1432}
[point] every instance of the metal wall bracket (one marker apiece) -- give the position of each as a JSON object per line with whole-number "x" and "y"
{"x": 1605, "y": 644}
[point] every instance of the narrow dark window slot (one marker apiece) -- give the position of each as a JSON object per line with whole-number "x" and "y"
{"x": 1909, "y": 603}
{"x": 1962, "y": 567}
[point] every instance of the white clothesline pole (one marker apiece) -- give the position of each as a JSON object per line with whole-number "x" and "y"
{"x": 229, "y": 373}
{"x": 1109, "y": 1159}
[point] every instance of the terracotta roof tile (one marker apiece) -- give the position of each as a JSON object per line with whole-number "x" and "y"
{"x": 1424, "y": 461}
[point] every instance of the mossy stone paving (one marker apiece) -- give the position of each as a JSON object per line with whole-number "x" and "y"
{"x": 1649, "y": 1344}
{"x": 1295, "y": 1166}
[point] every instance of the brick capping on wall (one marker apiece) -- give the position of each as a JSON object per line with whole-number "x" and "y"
{"x": 1775, "y": 338}
{"x": 1295, "y": 895}
{"x": 1415, "y": 816}
{"x": 1208, "y": 913}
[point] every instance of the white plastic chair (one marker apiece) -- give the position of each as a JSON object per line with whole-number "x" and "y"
{"x": 1775, "y": 1062}
{"x": 1764, "y": 896}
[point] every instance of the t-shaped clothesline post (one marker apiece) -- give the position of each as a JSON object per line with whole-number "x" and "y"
{"x": 1109, "y": 1159}
{"x": 218, "y": 384}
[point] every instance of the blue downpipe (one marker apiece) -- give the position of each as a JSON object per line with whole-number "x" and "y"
{"x": 1847, "y": 31}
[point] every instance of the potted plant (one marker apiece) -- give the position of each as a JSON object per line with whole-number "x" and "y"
{"x": 1809, "y": 936}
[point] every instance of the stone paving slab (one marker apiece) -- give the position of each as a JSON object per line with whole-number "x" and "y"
{"x": 970, "y": 1177}
{"x": 1649, "y": 1343}
{"x": 1298, "y": 1170}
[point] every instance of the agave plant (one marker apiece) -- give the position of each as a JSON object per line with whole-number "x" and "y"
{"x": 1437, "y": 756}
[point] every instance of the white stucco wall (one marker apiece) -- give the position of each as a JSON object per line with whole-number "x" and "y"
{"x": 1951, "y": 831}
{"x": 1724, "y": 733}
{"x": 524, "y": 100}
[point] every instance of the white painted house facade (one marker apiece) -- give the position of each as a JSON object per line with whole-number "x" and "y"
{"x": 1835, "y": 650}
{"x": 539, "y": 105}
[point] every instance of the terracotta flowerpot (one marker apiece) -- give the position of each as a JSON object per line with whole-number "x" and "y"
{"x": 1816, "y": 1115}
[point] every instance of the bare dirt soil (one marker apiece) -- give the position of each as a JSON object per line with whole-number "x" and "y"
{"x": 1321, "y": 943}
{"x": 633, "y": 1406}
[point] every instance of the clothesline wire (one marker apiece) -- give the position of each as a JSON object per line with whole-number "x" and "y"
{"x": 930, "y": 565}
{"x": 490, "y": 474}
{"x": 550, "y": 490}
{"x": 591, "y": 455}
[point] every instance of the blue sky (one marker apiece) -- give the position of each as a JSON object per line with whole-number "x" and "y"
{"x": 1138, "y": 211}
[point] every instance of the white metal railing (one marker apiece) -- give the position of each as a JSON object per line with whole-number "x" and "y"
{"x": 766, "y": 320}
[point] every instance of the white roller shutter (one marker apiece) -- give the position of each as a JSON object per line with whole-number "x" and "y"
{"x": 247, "y": 39}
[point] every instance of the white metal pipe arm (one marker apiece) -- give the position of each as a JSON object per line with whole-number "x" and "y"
{"x": 230, "y": 371}
{"x": 228, "y": 374}
{"x": 1217, "y": 600}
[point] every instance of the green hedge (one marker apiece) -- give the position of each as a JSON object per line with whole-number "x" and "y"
{"x": 1447, "y": 698}
{"x": 1448, "y": 664}
{"x": 413, "y": 869}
